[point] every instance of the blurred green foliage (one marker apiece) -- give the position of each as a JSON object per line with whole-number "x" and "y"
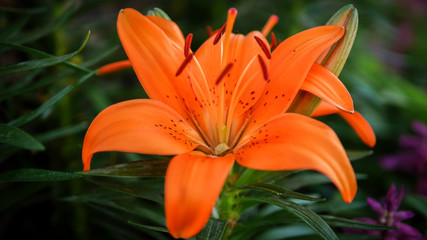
{"x": 49, "y": 94}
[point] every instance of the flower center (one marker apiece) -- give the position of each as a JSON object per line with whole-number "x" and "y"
{"x": 221, "y": 149}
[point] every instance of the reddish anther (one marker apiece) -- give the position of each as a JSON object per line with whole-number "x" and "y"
{"x": 219, "y": 34}
{"x": 187, "y": 45}
{"x": 184, "y": 64}
{"x": 223, "y": 73}
{"x": 263, "y": 67}
{"x": 273, "y": 41}
{"x": 263, "y": 47}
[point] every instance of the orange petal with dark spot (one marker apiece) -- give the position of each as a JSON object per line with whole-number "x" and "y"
{"x": 296, "y": 142}
{"x": 290, "y": 63}
{"x": 139, "y": 126}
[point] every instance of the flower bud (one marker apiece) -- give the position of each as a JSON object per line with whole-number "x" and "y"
{"x": 335, "y": 57}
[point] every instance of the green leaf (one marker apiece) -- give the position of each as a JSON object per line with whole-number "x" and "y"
{"x": 16, "y": 137}
{"x": 353, "y": 224}
{"x": 39, "y": 53}
{"x": 136, "y": 207}
{"x": 62, "y": 132}
{"x": 279, "y": 191}
{"x": 158, "y": 229}
{"x": 144, "y": 168}
{"x": 49, "y": 103}
{"x": 138, "y": 189}
{"x": 313, "y": 220}
{"x": 40, "y": 63}
{"x": 213, "y": 230}
{"x": 36, "y": 175}
{"x": 358, "y": 154}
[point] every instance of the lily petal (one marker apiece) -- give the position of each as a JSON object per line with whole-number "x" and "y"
{"x": 324, "y": 84}
{"x": 139, "y": 126}
{"x": 193, "y": 183}
{"x": 290, "y": 64}
{"x": 293, "y": 142}
{"x": 362, "y": 128}
{"x": 169, "y": 28}
{"x": 149, "y": 48}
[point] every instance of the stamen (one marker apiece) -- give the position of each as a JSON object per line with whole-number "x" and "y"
{"x": 263, "y": 67}
{"x": 263, "y": 47}
{"x": 114, "y": 67}
{"x": 184, "y": 64}
{"x": 223, "y": 73}
{"x": 272, "y": 21}
{"x": 273, "y": 41}
{"x": 231, "y": 18}
{"x": 187, "y": 45}
{"x": 219, "y": 34}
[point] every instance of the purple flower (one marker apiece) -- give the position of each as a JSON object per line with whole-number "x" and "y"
{"x": 389, "y": 216}
{"x": 412, "y": 157}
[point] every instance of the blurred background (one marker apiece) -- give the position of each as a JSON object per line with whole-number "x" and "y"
{"x": 385, "y": 74}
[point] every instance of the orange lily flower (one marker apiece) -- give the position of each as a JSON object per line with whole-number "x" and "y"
{"x": 226, "y": 102}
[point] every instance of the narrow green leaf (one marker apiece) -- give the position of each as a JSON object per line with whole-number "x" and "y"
{"x": 213, "y": 230}
{"x": 97, "y": 58}
{"x": 36, "y": 175}
{"x": 49, "y": 103}
{"x": 279, "y": 191}
{"x": 353, "y": 224}
{"x": 136, "y": 207}
{"x": 62, "y": 132}
{"x": 158, "y": 229}
{"x": 138, "y": 189}
{"x": 39, "y": 53}
{"x": 40, "y": 63}
{"x": 313, "y": 220}
{"x": 17, "y": 137}
{"x": 358, "y": 154}
{"x": 144, "y": 168}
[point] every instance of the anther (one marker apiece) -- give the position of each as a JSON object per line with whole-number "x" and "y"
{"x": 273, "y": 41}
{"x": 263, "y": 47}
{"x": 187, "y": 45}
{"x": 219, "y": 34}
{"x": 223, "y": 73}
{"x": 184, "y": 64}
{"x": 263, "y": 67}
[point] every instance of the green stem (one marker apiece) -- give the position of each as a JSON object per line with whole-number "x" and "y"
{"x": 228, "y": 205}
